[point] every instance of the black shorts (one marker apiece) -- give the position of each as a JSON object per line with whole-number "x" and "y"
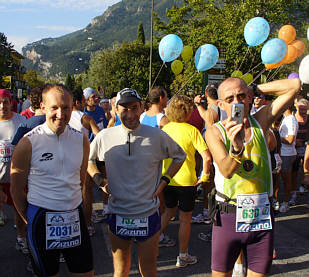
{"x": 46, "y": 262}
{"x": 183, "y": 197}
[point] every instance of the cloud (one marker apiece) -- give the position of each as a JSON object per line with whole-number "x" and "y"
{"x": 18, "y": 41}
{"x": 65, "y": 4}
{"x": 58, "y": 28}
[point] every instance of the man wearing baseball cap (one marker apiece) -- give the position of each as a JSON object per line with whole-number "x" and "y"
{"x": 9, "y": 121}
{"x": 94, "y": 110}
{"x": 133, "y": 155}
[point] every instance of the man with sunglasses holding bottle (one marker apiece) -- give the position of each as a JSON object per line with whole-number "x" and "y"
{"x": 243, "y": 179}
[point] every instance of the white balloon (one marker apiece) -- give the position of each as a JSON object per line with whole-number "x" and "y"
{"x": 304, "y": 70}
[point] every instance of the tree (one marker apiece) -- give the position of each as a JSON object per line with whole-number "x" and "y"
{"x": 125, "y": 66}
{"x": 140, "y": 33}
{"x": 6, "y": 60}
{"x": 70, "y": 82}
{"x": 32, "y": 79}
{"x": 221, "y": 23}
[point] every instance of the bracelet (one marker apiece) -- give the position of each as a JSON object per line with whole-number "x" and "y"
{"x": 168, "y": 176}
{"x": 205, "y": 177}
{"x": 98, "y": 179}
{"x": 165, "y": 179}
{"x": 235, "y": 158}
{"x": 239, "y": 153}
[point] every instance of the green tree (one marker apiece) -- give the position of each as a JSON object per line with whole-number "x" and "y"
{"x": 221, "y": 23}
{"x": 6, "y": 60}
{"x": 126, "y": 65}
{"x": 32, "y": 79}
{"x": 140, "y": 33}
{"x": 70, "y": 82}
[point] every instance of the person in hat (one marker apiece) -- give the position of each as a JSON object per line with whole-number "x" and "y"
{"x": 94, "y": 110}
{"x": 133, "y": 155}
{"x": 9, "y": 122}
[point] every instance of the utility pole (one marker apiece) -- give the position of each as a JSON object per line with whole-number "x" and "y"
{"x": 151, "y": 40}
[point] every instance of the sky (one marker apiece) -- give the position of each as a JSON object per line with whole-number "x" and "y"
{"x": 25, "y": 21}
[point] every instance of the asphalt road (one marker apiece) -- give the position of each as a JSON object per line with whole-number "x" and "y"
{"x": 291, "y": 243}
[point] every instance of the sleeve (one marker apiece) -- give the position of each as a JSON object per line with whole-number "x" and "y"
{"x": 170, "y": 149}
{"x": 198, "y": 141}
{"x": 20, "y": 132}
{"x": 292, "y": 126}
{"x": 96, "y": 151}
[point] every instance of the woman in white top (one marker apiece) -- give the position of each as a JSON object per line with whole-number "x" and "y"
{"x": 288, "y": 131}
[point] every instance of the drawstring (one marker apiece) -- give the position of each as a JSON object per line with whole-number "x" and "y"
{"x": 128, "y": 142}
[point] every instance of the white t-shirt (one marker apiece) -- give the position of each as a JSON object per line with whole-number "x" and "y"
{"x": 288, "y": 127}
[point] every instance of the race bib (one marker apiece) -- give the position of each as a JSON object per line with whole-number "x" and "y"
{"x": 253, "y": 212}
{"x": 132, "y": 227}
{"x": 6, "y": 151}
{"x": 62, "y": 230}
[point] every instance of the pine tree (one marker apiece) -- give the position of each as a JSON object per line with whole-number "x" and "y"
{"x": 140, "y": 33}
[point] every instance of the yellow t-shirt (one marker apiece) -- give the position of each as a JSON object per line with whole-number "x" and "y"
{"x": 190, "y": 140}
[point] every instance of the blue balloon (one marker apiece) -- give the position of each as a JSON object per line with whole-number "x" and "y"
{"x": 256, "y": 31}
{"x": 206, "y": 57}
{"x": 170, "y": 47}
{"x": 273, "y": 51}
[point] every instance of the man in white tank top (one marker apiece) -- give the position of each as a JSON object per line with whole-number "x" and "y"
{"x": 52, "y": 161}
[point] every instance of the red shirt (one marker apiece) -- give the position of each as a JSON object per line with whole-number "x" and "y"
{"x": 196, "y": 120}
{"x": 27, "y": 113}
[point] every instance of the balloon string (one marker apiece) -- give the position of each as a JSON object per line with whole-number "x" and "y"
{"x": 243, "y": 58}
{"x": 157, "y": 76}
{"x": 185, "y": 84}
{"x": 254, "y": 67}
{"x": 275, "y": 73}
{"x": 257, "y": 76}
{"x": 268, "y": 75}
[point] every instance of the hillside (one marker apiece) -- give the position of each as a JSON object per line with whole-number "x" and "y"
{"x": 70, "y": 53}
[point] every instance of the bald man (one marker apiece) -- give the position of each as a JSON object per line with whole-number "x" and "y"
{"x": 243, "y": 179}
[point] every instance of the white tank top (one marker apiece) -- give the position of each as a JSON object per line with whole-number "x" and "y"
{"x": 76, "y": 122}
{"x": 54, "y": 175}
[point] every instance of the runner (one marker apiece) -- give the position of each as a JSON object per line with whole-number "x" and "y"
{"x": 52, "y": 161}
{"x": 288, "y": 131}
{"x": 181, "y": 190}
{"x": 243, "y": 179}
{"x": 9, "y": 121}
{"x": 156, "y": 103}
{"x": 133, "y": 155}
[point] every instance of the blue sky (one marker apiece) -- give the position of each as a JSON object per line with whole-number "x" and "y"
{"x": 25, "y": 21}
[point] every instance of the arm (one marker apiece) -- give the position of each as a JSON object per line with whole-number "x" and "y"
{"x": 90, "y": 124}
{"x": 285, "y": 90}
{"x": 20, "y": 166}
{"x": 163, "y": 121}
{"x": 83, "y": 169}
{"x": 227, "y": 165}
{"x": 209, "y": 115}
{"x": 306, "y": 166}
{"x": 288, "y": 140}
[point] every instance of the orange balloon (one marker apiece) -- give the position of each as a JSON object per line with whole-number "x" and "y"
{"x": 287, "y": 33}
{"x": 273, "y": 65}
{"x": 291, "y": 55}
{"x": 300, "y": 46}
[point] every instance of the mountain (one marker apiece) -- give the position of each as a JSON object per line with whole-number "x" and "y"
{"x": 55, "y": 57}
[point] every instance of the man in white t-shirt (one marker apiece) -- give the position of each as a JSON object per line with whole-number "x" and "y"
{"x": 288, "y": 131}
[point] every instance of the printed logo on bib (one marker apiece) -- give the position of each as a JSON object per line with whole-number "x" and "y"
{"x": 62, "y": 230}
{"x": 131, "y": 227}
{"x": 253, "y": 212}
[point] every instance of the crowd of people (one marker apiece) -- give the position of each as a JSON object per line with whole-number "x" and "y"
{"x": 149, "y": 159}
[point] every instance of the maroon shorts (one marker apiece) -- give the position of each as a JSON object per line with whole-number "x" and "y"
{"x": 6, "y": 189}
{"x": 227, "y": 244}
